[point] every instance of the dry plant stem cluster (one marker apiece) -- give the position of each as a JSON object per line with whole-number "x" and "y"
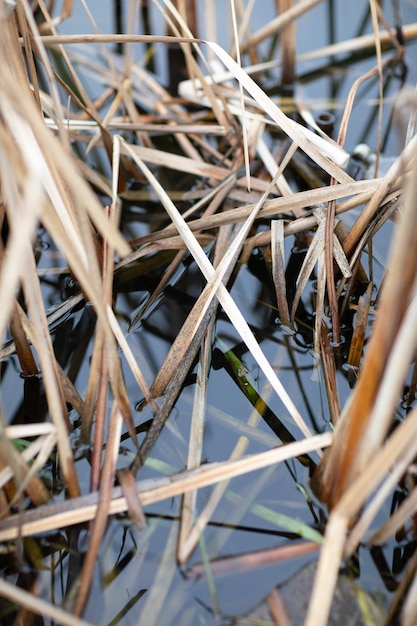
{"x": 42, "y": 182}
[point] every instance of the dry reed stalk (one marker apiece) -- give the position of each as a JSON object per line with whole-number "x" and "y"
{"x": 84, "y": 508}
{"x": 359, "y": 192}
{"x": 244, "y": 13}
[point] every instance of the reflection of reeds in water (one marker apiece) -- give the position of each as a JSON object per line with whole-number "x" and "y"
{"x": 133, "y": 125}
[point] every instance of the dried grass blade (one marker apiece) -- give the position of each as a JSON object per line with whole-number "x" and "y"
{"x": 23, "y": 27}
{"x": 271, "y": 166}
{"x": 319, "y": 308}
{"x": 340, "y": 256}
{"x": 192, "y": 322}
{"x": 100, "y": 412}
{"x": 374, "y": 506}
{"x": 277, "y": 608}
{"x": 409, "y": 31}
{"x": 182, "y": 351}
{"x": 397, "y": 520}
{"x": 204, "y": 517}
{"x": 23, "y": 350}
{"x": 287, "y": 44}
{"x": 92, "y": 388}
{"x": 39, "y": 49}
{"x": 398, "y": 599}
{"x": 41, "y": 447}
{"x": 409, "y": 611}
{"x": 401, "y": 165}
{"x": 199, "y": 408}
{"x": 23, "y": 157}
{"x": 164, "y": 281}
{"x": 219, "y": 112}
{"x": 71, "y": 395}
{"x": 67, "y": 9}
{"x": 375, "y": 25}
{"x": 130, "y": 493}
{"x": 360, "y": 191}
{"x": 358, "y": 43}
